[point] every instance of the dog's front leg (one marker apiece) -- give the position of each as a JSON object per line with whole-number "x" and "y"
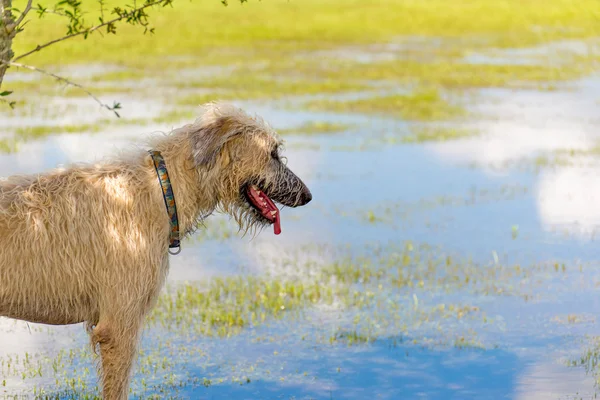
{"x": 118, "y": 342}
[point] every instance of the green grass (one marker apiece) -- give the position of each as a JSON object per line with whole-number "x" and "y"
{"x": 205, "y": 28}
{"x": 351, "y": 338}
{"x": 8, "y": 145}
{"x": 242, "y": 88}
{"x": 421, "y": 134}
{"x": 315, "y": 127}
{"x": 45, "y": 130}
{"x": 230, "y": 304}
{"x": 391, "y": 212}
{"x": 467, "y": 343}
{"x": 590, "y": 359}
{"x": 422, "y": 105}
{"x": 226, "y": 306}
{"x": 558, "y": 158}
{"x": 177, "y": 115}
{"x": 266, "y": 51}
{"x": 455, "y": 73}
{"x": 40, "y": 131}
{"x": 23, "y": 134}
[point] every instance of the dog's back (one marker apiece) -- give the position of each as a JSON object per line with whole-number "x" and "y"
{"x": 61, "y": 231}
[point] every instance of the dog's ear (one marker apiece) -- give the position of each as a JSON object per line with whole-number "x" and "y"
{"x": 211, "y": 135}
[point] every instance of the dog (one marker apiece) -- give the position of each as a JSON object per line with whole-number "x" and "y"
{"x": 90, "y": 242}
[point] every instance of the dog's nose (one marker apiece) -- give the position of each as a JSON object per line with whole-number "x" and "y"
{"x": 306, "y": 197}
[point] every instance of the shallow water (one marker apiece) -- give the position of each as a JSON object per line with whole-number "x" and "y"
{"x": 466, "y": 196}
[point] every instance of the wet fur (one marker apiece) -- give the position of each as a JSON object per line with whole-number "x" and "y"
{"x": 88, "y": 243}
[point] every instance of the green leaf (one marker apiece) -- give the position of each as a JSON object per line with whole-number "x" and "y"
{"x": 5, "y": 93}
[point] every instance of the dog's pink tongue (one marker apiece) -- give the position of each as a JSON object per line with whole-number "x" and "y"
{"x": 277, "y": 224}
{"x": 273, "y": 207}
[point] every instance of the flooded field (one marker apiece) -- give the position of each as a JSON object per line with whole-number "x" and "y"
{"x": 450, "y": 250}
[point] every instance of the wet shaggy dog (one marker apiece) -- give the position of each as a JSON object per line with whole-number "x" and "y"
{"x": 89, "y": 243}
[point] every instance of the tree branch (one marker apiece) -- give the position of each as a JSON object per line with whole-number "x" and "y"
{"x": 7, "y": 33}
{"x": 42, "y": 11}
{"x": 24, "y": 13}
{"x": 114, "y": 108}
{"x": 89, "y": 30}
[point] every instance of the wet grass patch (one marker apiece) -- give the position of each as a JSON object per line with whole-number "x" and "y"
{"x": 267, "y": 55}
{"x": 45, "y": 86}
{"x": 37, "y": 132}
{"x": 572, "y": 319}
{"x": 391, "y": 212}
{"x": 227, "y": 306}
{"x": 242, "y": 88}
{"x": 177, "y": 115}
{"x": 315, "y": 127}
{"x": 40, "y": 131}
{"x": 424, "y": 134}
{"x": 9, "y": 145}
{"x": 590, "y": 359}
{"x": 463, "y": 342}
{"x": 551, "y": 160}
{"x": 458, "y": 75}
{"x": 382, "y": 293}
{"x": 421, "y": 105}
{"x": 351, "y": 338}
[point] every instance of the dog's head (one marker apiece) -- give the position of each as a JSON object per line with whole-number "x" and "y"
{"x": 242, "y": 156}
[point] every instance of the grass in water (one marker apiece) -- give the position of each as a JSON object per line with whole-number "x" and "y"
{"x": 315, "y": 127}
{"x": 417, "y": 52}
{"x": 590, "y": 359}
{"x": 422, "y": 134}
{"x": 242, "y": 88}
{"x": 226, "y": 306}
{"x": 385, "y": 291}
{"x": 45, "y": 130}
{"x": 422, "y": 105}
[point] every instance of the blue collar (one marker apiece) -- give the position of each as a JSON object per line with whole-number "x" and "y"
{"x": 169, "y": 198}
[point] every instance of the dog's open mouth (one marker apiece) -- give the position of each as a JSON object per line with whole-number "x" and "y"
{"x": 265, "y": 206}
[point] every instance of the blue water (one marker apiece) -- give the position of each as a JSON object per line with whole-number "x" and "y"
{"x": 423, "y": 193}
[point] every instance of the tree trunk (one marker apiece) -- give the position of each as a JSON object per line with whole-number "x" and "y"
{"x": 7, "y": 33}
